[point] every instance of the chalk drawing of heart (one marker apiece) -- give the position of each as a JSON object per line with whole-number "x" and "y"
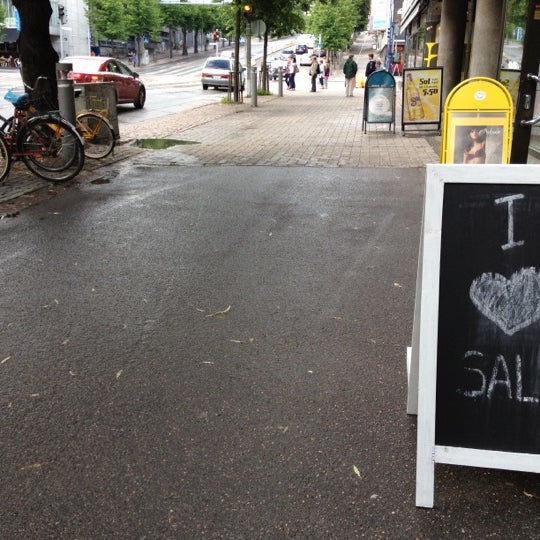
{"x": 512, "y": 304}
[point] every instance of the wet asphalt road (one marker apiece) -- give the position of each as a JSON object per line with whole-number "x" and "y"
{"x": 219, "y": 352}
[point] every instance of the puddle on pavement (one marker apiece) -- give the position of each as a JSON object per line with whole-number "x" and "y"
{"x": 161, "y": 144}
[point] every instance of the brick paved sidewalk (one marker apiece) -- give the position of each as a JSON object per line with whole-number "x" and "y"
{"x": 300, "y": 129}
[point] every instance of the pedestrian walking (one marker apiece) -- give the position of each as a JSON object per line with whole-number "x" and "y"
{"x": 293, "y": 70}
{"x": 314, "y": 72}
{"x": 287, "y": 73}
{"x": 326, "y": 74}
{"x": 371, "y": 66}
{"x": 321, "y": 73}
{"x": 349, "y": 69}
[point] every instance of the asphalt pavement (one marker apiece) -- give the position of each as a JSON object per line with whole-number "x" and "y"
{"x": 209, "y": 340}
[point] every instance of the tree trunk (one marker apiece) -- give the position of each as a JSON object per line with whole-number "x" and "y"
{"x": 184, "y": 42}
{"x": 38, "y": 58}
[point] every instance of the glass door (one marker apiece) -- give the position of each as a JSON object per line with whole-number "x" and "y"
{"x": 519, "y": 73}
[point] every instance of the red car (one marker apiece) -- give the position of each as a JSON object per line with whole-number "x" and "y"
{"x": 91, "y": 69}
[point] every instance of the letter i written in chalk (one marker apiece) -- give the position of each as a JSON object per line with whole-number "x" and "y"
{"x": 510, "y": 202}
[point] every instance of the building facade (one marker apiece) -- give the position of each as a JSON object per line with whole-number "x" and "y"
{"x": 497, "y": 39}
{"x": 70, "y": 34}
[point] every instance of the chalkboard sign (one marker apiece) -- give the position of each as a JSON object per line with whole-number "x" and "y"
{"x": 479, "y": 337}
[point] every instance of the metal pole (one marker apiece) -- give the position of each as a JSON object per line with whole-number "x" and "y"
{"x": 280, "y": 81}
{"x": 248, "y": 56}
{"x": 254, "y": 86}
{"x": 61, "y": 43}
{"x": 66, "y": 95}
{"x": 390, "y": 44}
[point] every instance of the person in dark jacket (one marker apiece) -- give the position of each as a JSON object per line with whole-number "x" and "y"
{"x": 349, "y": 69}
{"x": 371, "y": 66}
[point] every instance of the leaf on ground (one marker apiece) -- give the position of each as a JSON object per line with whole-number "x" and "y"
{"x": 65, "y": 342}
{"x": 5, "y": 360}
{"x": 527, "y": 494}
{"x": 31, "y": 466}
{"x": 240, "y": 341}
{"x": 119, "y": 373}
{"x": 220, "y": 313}
{"x": 398, "y": 285}
{"x": 357, "y": 471}
{"x": 208, "y": 362}
{"x": 72, "y": 373}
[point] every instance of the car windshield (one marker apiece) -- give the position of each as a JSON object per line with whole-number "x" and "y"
{"x": 218, "y": 63}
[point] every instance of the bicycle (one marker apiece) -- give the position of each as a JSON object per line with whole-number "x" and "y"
{"x": 92, "y": 125}
{"x": 97, "y": 134}
{"x": 48, "y": 145}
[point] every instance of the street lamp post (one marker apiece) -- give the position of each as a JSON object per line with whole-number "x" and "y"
{"x": 247, "y": 13}
{"x": 390, "y": 42}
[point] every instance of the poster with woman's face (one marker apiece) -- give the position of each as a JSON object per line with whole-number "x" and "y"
{"x": 478, "y": 144}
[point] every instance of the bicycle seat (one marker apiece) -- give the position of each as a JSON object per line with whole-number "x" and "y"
{"x": 17, "y": 100}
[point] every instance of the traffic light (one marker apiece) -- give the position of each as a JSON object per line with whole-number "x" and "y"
{"x": 248, "y": 10}
{"x": 61, "y": 12}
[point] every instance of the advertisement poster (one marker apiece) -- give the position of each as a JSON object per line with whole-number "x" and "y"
{"x": 475, "y": 139}
{"x": 422, "y": 96}
{"x": 380, "y": 107}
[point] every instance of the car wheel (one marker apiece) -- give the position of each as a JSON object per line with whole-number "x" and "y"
{"x": 205, "y": 87}
{"x": 139, "y": 104}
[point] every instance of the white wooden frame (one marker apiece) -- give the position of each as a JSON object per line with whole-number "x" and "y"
{"x": 422, "y": 357}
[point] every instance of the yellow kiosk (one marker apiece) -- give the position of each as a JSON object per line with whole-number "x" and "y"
{"x": 477, "y": 124}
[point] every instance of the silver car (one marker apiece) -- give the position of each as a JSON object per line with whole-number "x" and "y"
{"x": 217, "y": 71}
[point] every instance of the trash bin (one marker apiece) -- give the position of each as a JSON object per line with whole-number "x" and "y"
{"x": 100, "y": 98}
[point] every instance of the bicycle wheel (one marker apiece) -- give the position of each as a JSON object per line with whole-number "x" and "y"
{"x": 5, "y": 158}
{"x": 51, "y": 148}
{"x": 5, "y": 124}
{"x": 97, "y": 134}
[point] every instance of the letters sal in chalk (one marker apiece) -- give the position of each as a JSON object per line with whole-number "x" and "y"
{"x": 498, "y": 382}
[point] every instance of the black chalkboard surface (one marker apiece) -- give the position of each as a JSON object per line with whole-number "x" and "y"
{"x": 488, "y": 347}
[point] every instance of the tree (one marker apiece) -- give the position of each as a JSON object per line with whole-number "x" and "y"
{"x": 2, "y": 18}
{"x": 38, "y": 57}
{"x": 143, "y": 18}
{"x": 107, "y": 19}
{"x": 281, "y": 17}
{"x": 335, "y": 23}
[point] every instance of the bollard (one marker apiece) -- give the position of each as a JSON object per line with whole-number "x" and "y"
{"x": 66, "y": 95}
{"x": 280, "y": 81}
{"x": 254, "y": 86}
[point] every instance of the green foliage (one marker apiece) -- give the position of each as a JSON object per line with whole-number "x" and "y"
{"x": 107, "y": 19}
{"x": 143, "y": 17}
{"x": 120, "y": 19}
{"x": 335, "y": 22}
{"x": 2, "y": 17}
{"x": 516, "y": 15}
